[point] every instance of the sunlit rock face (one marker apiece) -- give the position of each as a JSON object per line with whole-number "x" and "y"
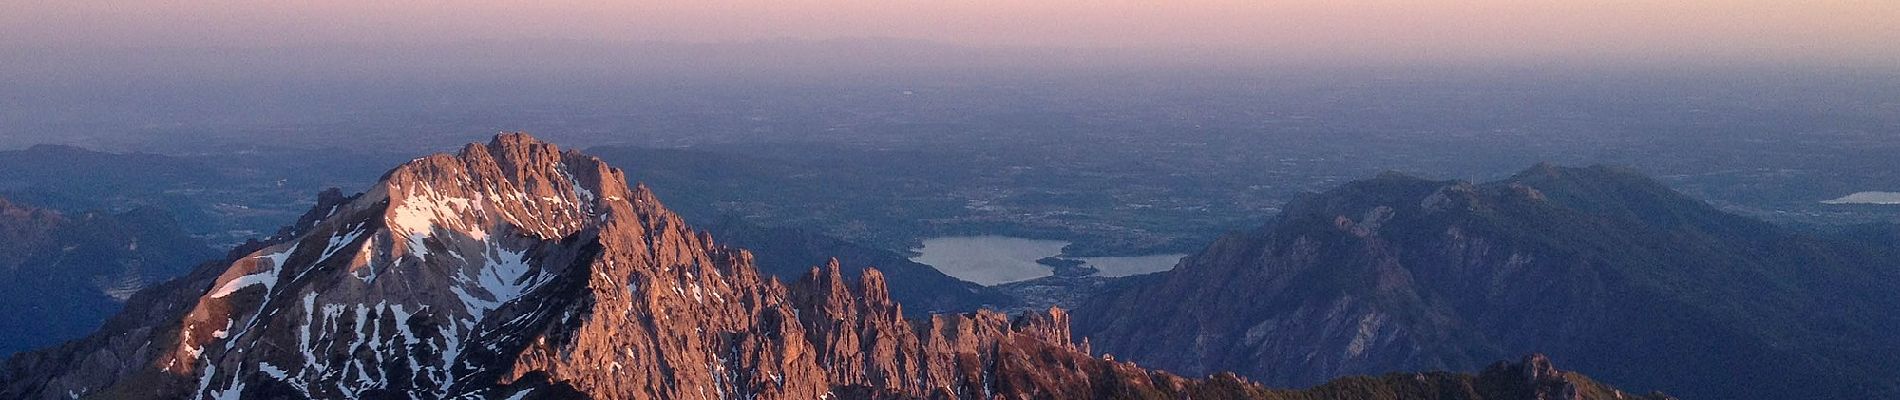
{"x": 462, "y": 274}
{"x": 516, "y": 270}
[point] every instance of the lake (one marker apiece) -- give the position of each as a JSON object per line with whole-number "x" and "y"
{"x": 990, "y": 259}
{"x": 1868, "y": 198}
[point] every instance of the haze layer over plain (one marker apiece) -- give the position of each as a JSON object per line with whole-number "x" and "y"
{"x": 1698, "y": 31}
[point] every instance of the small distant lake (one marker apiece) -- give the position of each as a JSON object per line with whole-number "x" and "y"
{"x": 1867, "y": 198}
{"x": 990, "y": 260}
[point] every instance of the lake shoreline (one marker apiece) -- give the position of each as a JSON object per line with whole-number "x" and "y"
{"x": 1869, "y": 198}
{"x": 991, "y": 260}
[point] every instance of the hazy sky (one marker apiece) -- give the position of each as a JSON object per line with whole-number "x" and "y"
{"x": 1817, "y": 31}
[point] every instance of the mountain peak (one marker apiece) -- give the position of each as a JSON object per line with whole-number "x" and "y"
{"x": 1396, "y": 175}
{"x": 1387, "y": 274}
{"x": 1541, "y": 168}
{"x": 515, "y": 179}
{"x": 507, "y": 267}
{"x": 518, "y": 141}
{"x": 454, "y": 242}
{"x": 514, "y": 269}
{"x": 1624, "y": 193}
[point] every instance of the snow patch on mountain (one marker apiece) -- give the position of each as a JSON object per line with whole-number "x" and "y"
{"x": 267, "y": 277}
{"x": 503, "y": 277}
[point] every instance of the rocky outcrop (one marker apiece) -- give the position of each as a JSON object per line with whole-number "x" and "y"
{"x": 507, "y": 264}
{"x": 516, "y": 270}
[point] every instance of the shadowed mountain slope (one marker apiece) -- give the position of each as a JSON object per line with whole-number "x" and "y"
{"x": 61, "y": 274}
{"x": 1603, "y": 268}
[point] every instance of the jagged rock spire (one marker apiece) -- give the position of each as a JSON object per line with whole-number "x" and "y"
{"x": 516, "y": 270}
{"x": 515, "y": 261}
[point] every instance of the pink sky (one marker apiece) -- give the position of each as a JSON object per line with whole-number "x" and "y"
{"x": 1826, "y": 31}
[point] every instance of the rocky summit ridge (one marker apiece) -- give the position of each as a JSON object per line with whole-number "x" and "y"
{"x": 513, "y": 269}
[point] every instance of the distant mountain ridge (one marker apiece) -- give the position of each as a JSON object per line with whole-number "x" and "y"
{"x": 63, "y": 273}
{"x": 1616, "y": 274}
{"x": 516, "y": 270}
{"x": 225, "y": 196}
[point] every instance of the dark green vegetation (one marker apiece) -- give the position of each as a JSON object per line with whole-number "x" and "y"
{"x": 1611, "y": 272}
{"x": 61, "y": 274}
